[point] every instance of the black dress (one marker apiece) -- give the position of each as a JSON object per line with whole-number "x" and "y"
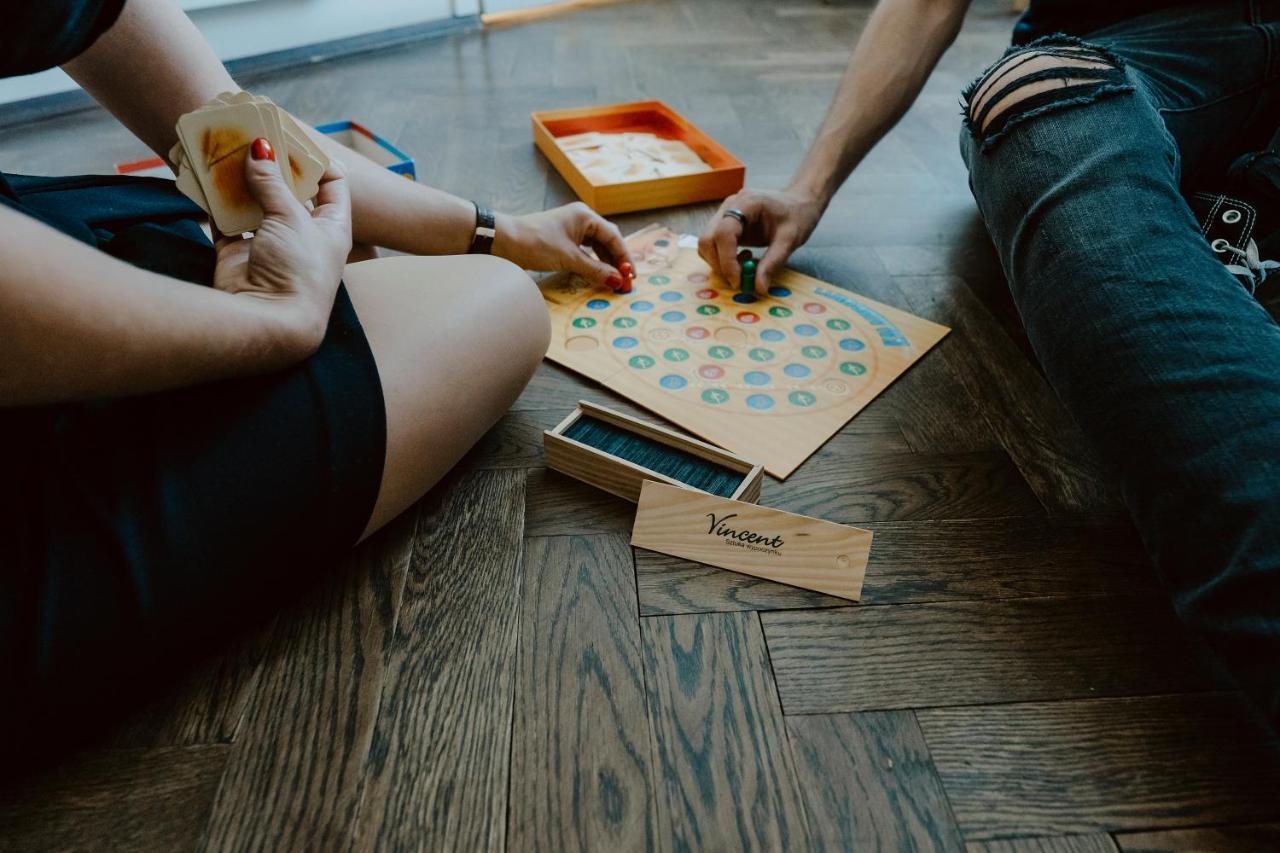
{"x": 136, "y": 533}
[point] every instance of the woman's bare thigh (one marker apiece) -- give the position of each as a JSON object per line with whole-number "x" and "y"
{"x": 455, "y": 340}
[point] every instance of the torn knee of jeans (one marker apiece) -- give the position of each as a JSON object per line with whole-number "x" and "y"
{"x": 1050, "y": 73}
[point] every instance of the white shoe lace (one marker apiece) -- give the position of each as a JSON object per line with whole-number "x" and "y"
{"x": 1249, "y": 264}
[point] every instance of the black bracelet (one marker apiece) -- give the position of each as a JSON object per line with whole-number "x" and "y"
{"x": 482, "y": 242}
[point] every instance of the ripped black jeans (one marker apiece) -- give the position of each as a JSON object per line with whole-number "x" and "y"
{"x": 1169, "y": 365}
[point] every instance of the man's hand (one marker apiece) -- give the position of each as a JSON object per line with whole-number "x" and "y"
{"x": 781, "y": 220}
{"x": 897, "y": 51}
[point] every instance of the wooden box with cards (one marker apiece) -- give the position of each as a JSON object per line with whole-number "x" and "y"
{"x": 213, "y": 143}
{"x": 618, "y": 453}
{"x": 635, "y": 156}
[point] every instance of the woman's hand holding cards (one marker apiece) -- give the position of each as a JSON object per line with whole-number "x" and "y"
{"x": 295, "y": 259}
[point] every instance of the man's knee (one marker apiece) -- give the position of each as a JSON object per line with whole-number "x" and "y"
{"x": 1048, "y": 75}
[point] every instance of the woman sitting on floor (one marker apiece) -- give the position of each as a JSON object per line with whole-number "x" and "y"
{"x": 177, "y": 458}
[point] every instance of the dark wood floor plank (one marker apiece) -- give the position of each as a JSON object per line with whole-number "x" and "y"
{"x": 1005, "y": 558}
{"x": 136, "y": 799}
{"x": 872, "y": 432}
{"x": 581, "y": 774}
{"x": 907, "y": 486}
{"x": 1255, "y": 838}
{"x": 868, "y": 783}
{"x": 1102, "y": 765}
{"x": 1052, "y": 844}
{"x": 934, "y": 410}
{"x": 1014, "y": 397}
{"x": 515, "y": 441}
{"x": 436, "y": 777}
{"x": 559, "y": 505}
{"x": 929, "y": 561}
{"x": 953, "y": 653}
{"x": 727, "y": 779}
{"x": 209, "y": 705}
{"x": 293, "y": 780}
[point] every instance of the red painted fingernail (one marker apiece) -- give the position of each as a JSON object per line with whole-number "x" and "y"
{"x": 614, "y": 281}
{"x": 262, "y": 150}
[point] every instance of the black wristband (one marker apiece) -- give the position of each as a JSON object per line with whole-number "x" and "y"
{"x": 482, "y": 242}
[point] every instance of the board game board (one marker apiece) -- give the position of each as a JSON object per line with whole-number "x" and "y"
{"x": 770, "y": 379}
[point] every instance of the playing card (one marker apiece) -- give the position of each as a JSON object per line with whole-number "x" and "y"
{"x": 190, "y": 187}
{"x": 639, "y": 172}
{"x": 185, "y": 178}
{"x": 230, "y": 98}
{"x": 270, "y": 115}
{"x": 308, "y": 145}
{"x": 304, "y": 167}
{"x": 590, "y": 139}
{"x": 213, "y": 142}
{"x": 216, "y": 141}
{"x": 306, "y": 161}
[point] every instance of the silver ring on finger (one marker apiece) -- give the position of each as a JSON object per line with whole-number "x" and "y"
{"x": 738, "y": 215}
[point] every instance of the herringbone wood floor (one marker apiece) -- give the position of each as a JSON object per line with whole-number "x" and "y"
{"x": 1014, "y": 680}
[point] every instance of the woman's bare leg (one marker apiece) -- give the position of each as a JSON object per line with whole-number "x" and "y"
{"x": 455, "y": 340}
{"x": 362, "y": 252}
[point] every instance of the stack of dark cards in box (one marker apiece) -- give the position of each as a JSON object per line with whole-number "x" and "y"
{"x": 213, "y": 143}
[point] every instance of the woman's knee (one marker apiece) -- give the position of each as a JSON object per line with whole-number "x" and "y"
{"x": 514, "y": 299}
{"x": 467, "y": 315}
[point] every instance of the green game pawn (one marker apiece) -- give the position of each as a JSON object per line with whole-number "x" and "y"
{"x": 749, "y": 277}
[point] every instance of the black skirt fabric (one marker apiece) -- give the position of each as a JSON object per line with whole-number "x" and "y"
{"x": 137, "y": 532}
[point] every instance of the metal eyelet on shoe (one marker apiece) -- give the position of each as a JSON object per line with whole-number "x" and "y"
{"x": 1219, "y": 245}
{"x": 1231, "y": 216}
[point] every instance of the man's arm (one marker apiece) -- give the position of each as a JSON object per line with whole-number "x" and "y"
{"x": 898, "y": 50}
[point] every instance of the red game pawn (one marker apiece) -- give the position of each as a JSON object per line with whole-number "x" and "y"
{"x": 626, "y": 269}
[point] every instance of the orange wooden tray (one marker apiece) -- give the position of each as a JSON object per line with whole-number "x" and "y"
{"x": 725, "y": 178}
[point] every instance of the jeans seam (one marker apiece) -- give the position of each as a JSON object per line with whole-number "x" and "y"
{"x": 1268, "y": 38}
{"x": 1143, "y": 86}
{"x": 1257, "y": 84}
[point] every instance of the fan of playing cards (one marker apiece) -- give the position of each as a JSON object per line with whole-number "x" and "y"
{"x": 213, "y": 143}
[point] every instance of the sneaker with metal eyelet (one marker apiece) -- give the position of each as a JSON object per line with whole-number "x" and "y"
{"x": 1229, "y": 224}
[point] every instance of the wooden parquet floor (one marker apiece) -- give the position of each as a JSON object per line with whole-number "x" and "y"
{"x": 499, "y": 669}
